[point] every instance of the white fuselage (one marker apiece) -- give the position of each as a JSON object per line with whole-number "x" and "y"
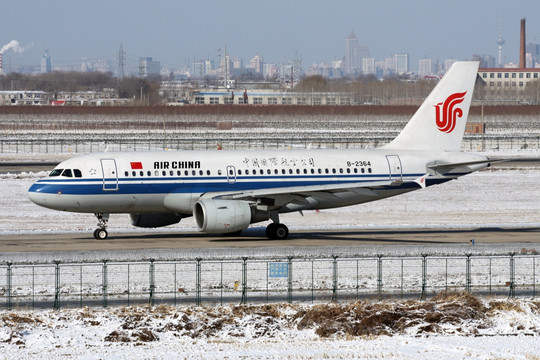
{"x": 155, "y": 182}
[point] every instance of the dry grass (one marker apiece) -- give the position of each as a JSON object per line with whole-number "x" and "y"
{"x": 456, "y": 313}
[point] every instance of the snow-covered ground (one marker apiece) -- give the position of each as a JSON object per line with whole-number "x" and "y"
{"x": 446, "y": 327}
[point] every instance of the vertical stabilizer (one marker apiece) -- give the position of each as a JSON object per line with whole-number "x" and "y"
{"x": 440, "y": 121}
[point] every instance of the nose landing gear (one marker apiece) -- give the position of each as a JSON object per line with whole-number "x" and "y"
{"x": 101, "y": 232}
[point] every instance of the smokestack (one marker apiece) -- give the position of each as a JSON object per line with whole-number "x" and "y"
{"x": 1, "y": 69}
{"x": 522, "y": 63}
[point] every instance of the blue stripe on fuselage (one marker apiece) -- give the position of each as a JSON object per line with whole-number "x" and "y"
{"x": 208, "y": 184}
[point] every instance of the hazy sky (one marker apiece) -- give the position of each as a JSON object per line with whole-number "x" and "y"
{"x": 177, "y": 31}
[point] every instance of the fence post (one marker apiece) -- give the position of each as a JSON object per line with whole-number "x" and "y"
{"x": 357, "y": 280}
{"x": 104, "y": 282}
{"x": 198, "y": 282}
{"x": 468, "y": 273}
{"x": 80, "y": 286}
{"x": 152, "y": 282}
{"x": 379, "y": 275}
{"x": 221, "y": 281}
{"x": 267, "y": 280}
{"x": 424, "y": 276}
{"x": 244, "y": 281}
{"x": 512, "y": 290}
{"x": 56, "y": 305}
{"x": 9, "y": 275}
{"x": 534, "y": 277}
{"x": 312, "y": 281}
{"x": 334, "y": 279}
{"x": 33, "y": 287}
{"x": 490, "y": 276}
{"x": 128, "y": 284}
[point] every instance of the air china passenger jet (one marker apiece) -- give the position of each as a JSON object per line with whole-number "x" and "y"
{"x": 226, "y": 191}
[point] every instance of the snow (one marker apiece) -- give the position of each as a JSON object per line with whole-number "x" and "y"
{"x": 487, "y": 331}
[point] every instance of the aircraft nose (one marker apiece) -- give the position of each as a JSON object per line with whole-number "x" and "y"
{"x": 37, "y": 195}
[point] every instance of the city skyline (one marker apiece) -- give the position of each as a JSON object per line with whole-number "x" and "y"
{"x": 177, "y": 34}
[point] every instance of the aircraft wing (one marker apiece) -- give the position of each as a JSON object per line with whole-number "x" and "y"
{"x": 297, "y": 194}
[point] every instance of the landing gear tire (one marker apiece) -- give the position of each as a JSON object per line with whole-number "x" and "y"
{"x": 277, "y": 231}
{"x": 100, "y": 234}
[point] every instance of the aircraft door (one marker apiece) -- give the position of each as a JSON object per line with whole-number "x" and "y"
{"x": 231, "y": 174}
{"x": 110, "y": 174}
{"x": 394, "y": 167}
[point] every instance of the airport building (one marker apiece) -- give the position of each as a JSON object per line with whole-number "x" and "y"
{"x": 23, "y": 97}
{"x": 269, "y": 97}
{"x": 511, "y": 84}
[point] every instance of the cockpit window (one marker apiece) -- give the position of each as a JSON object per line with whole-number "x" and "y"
{"x": 77, "y": 173}
{"x": 67, "y": 173}
{"x": 56, "y": 172}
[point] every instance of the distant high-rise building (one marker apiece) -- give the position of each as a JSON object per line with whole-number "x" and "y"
{"x": 256, "y": 63}
{"x": 46, "y": 65}
{"x": 448, "y": 63}
{"x": 351, "y": 53}
{"x": 389, "y": 66}
{"x": 237, "y": 62}
{"x": 147, "y": 67}
{"x": 402, "y": 63}
{"x": 200, "y": 68}
{"x": 354, "y": 53}
{"x": 534, "y": 50}
{"x": 425, "y": 67}
{"x": 368, "y": 66}
{"x": 270, "y": 70}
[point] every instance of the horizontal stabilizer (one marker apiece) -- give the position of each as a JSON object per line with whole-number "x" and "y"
{"x": 443, "y": 168}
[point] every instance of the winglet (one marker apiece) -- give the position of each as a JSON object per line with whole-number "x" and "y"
{"x": 422, "y": 181}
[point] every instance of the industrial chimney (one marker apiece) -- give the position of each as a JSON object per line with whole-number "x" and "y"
{"x": 1, "y": 64}
{"x": 522, "y": 63}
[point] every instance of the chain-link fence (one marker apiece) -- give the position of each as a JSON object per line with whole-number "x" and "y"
{"x": 218, "y": 282}
{"x": 66, "y": 146}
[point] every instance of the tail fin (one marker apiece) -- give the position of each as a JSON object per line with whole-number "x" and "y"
{"x": 440, "y": 121}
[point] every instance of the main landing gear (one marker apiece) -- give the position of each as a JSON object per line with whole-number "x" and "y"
{"x": 101, "y": 233}
{"x": 275, "y": 230}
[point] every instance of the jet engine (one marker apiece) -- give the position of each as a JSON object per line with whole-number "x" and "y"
{"x": 153, "y": 220}
{"x": 222, "y": 216}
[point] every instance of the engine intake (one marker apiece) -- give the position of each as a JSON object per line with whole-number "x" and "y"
{"x": 221, "y": 216}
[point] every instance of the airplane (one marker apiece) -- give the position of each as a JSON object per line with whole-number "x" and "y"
{"x": 226, "y": 191}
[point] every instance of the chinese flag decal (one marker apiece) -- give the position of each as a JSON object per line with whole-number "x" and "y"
{"x": 136, "y": 165}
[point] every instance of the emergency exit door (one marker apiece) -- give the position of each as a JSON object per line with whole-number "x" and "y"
{"x": 110, "y": 174}
{"x": 394, "y": 167}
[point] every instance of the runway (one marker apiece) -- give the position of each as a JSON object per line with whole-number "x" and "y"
{"x": 253, "y": 238}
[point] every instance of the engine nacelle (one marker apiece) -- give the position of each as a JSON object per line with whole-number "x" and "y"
{"x": 153, "y": 220}
{"x": 221, "y": 216}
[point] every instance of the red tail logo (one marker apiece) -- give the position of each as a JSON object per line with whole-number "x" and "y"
{"x": 447, "y": 121}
